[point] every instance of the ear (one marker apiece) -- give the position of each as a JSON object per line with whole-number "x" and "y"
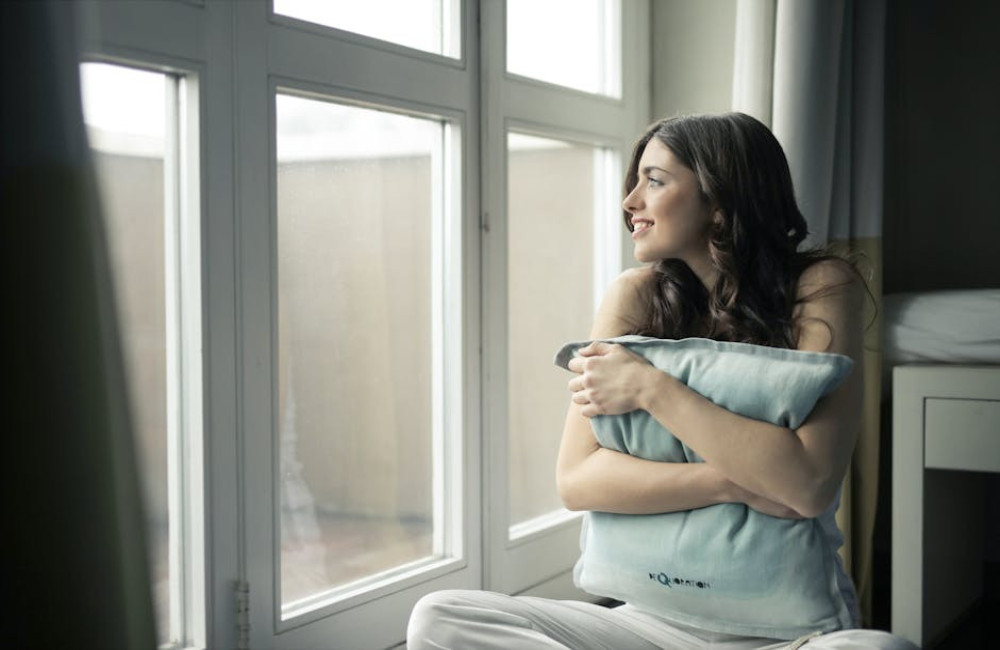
{"x": 717, "y": 217}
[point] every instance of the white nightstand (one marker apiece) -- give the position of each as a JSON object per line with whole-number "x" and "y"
{"x": 945, "y": 432}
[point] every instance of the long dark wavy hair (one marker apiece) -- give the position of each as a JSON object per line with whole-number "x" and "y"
{"x": 742, "y": 170}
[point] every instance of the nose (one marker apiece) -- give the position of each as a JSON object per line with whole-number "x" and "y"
{"x": 632, "y": 201}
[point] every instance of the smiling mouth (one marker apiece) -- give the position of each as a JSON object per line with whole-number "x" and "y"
{"x": 639, "y": 226}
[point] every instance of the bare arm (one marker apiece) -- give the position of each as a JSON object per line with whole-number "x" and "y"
{"x": 590, "y": 477}
{"x": 801, "y": 468}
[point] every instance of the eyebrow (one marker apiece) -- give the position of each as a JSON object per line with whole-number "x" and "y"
{"x": 649, "y": 168}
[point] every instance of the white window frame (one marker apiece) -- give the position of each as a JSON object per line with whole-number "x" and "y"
{"x": 183, "y": 224}
{"x": 172, "y": 38}
{"x": 233, "y": 56}
{"x": 539, "y": 561}
{"x": 447, "y": 390}
{"x": 369, "y": 72}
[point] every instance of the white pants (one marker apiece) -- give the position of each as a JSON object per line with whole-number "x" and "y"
{"x": 480, "y": 620}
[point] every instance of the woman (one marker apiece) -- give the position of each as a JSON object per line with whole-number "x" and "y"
{"x": 710, "y": 205}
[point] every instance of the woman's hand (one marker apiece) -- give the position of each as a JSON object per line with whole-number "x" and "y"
{"x": 612, "y": 379}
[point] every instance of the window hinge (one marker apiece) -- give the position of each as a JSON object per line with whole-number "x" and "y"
{"x": 242, "y": 615}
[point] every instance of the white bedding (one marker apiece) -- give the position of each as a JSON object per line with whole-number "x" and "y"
{"x": 959, "y": 326}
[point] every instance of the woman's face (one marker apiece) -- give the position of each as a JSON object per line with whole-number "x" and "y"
{"x": 670, "y": 218}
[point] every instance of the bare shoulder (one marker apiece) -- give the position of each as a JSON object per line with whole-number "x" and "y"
{"x": 626, "y": 303}
{"x": 639, "y": 279}
{"x": 830, "y": 275}
{"x": 830, "y": 305}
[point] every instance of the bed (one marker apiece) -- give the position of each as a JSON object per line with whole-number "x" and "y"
{"x": 941, "y": 365}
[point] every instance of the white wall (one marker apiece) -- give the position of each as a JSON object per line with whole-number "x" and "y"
{"x": 692, "y": 65}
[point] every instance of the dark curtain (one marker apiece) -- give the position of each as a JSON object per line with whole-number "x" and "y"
{"x": 73, "y": 546}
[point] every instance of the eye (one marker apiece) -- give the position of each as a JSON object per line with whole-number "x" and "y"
{"x": 654, "y": 182}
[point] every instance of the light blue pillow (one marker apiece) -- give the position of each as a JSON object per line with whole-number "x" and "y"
{"x": 725, "y": 568}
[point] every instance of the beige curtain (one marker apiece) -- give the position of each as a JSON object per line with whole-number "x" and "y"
{"x": 74, "y": 558}
{"x": 813, "y": 70}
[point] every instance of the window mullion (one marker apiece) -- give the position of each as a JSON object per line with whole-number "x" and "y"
{"x": 176, "y": 497}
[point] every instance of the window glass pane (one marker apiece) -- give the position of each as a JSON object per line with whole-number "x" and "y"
{"x": 429, "y": 25}
{"x": 573, "y": 43}
{"x": 550, "y": 294}
{"x": 358, "y": 206}
{"x": 125, "y": 114}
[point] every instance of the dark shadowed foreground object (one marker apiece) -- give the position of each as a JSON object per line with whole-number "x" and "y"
{"x": 74, "y": 557}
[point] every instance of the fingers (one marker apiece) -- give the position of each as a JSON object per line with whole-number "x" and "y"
{"x": 585, "y": 360}
{"x": 594, "y": 349}
{"x": 588, "y": 409}
{"x": 578, "y": 363}
{"x": 582, "y": 396}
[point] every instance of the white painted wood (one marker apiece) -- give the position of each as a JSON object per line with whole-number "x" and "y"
{"x": 174, "y": 352}
{"x": 179, "y": 33}
{"x": 232, "y": 56}
{"x": 308, "y": 56}
{"x": 451, "y": 36}
{"x": 254, "y": 205}
{"x": 923, "y": 501}
{"x": 907, "y": 507}
{"x": 172, "y": 37}
{"x": 540, "y": 557}
{"x": 193, "y": 569}
{"x": 273, "y": 53}
{"x": 559, "y": 587}
{"x": 534, "y": 107}
{"x": 963, "y": 434}
{"x": 222, "y": 476}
